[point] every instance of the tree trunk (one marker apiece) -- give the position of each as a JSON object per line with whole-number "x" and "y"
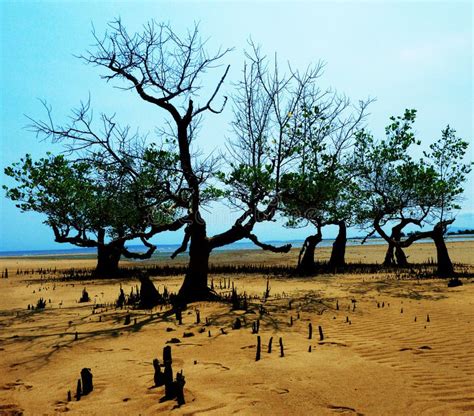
{"x": 445, "y": 266}
{"x": 389, "y": 255}
{"x": 108, "y": 257}
{"x": 401, "y": 257}
{"x": 306, "y": 265}
{"x": 149, "y": 296}
{"x": 194, "y": 286}
{"x": 339, "y": 247}
{"x": 395, "y": 256}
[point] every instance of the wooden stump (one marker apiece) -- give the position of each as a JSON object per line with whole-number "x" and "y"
{"x": 259, "y": 346}
{"x": 237, "y": 324}
{"x": 321, "y": 335}
{"x": 86, "y": 377}
{"x": 168, "y": 374}
{"x": 282, "y": 352}
{"x": 78, "y": 390}
{"x": 159, "y": 377}
{"x": 179, "y": 316}
{"x": 179, "y": 387}
{"x": 270, "y": 345}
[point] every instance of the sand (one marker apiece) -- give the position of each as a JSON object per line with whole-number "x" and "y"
{"x": 393, "y": 347}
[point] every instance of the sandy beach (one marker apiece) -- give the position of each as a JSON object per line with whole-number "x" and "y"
{"x": 390, "y": 346}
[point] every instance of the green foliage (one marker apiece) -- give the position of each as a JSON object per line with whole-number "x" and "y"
{"x": 55, "y": 187}
{"x": 445, "y": 172}
{"x": 392, "y": 185}
{"x": 93, "y": 195}
{"x": 253, "y": 184}
{"x": 318, "y": 189}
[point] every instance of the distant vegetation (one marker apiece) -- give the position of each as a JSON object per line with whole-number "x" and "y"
{"x": 461, "y": 232}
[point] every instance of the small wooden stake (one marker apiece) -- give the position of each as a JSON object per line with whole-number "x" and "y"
{"x": 282, "y": 352}
{"x": 179, "y": 383}
{"x": 168, "y": 374}
{"x": 321, "y": 335}
{"x": 78, "y": 390}
{"x": 86, "y": 378}
{"x": 310, "y": 330}
{"x": 259, "y": 346}
{"x": 270, "y": 345}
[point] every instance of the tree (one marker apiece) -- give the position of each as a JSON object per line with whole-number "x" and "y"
{"x": 318, "y": 189}
{"x": 395, "y": 187}
{"x": 439, "y": 192}
{"x": 92, "y": 203}
{"x": 387, "y": 181}
{"x": 166, "y": 71}
{"x": 266, "y": 140}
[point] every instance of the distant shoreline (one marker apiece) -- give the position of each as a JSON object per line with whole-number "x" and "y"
{"x": 165, "y": 250}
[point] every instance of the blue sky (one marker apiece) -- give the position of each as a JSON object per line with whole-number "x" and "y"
{"x": 405, "y": 54}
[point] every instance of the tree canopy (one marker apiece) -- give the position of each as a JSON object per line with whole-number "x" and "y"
{"x": 295, "y": 150}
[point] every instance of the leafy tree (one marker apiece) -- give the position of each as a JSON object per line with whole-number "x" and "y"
{"x": 97, "y": 204}
{"x": 393, "y": 186}
{"x": 383, "y": 177}
{"x": 439, "y": 191}
{"x": 318, "y": 189}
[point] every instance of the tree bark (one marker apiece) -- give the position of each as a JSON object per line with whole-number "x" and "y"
{"x": 149, "y": 296}
{"x": 339, "y": 247}
{"x": 108, "y": 257}
{"x": 395, "y": 255}
{"x": 390, "y": 255}
{"x": 194, "y": 286}
{"x": 306, "y": 265}
{"x": 401, "y": 257}
{"x": 445, "y": 266}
